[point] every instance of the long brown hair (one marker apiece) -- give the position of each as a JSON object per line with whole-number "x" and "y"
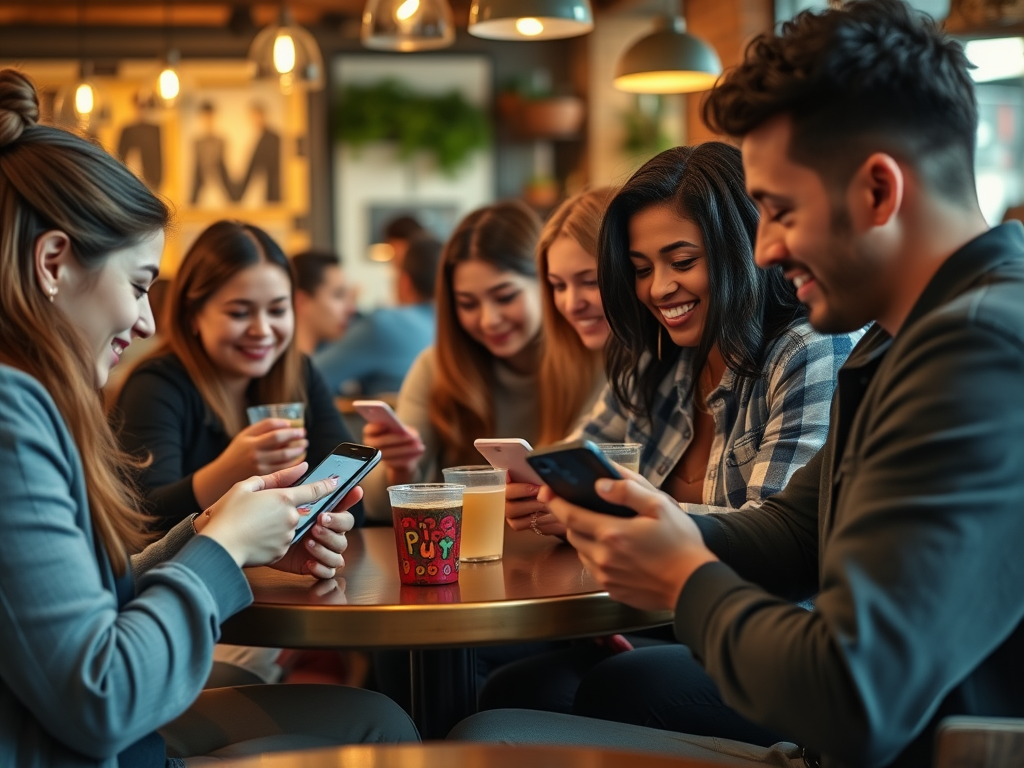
{"x": 568, "y": 369}
{"x": 461, "y": 404}
{"x": 223, "y": 250}
{"x": 53, "y": 180}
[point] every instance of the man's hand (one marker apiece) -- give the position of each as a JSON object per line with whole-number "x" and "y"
{"x": 643, "y": 561}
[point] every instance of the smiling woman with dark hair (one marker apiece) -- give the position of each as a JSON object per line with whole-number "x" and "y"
{"x": 712, "y": 369}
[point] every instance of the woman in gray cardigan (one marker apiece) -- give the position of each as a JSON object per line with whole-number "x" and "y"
{"x": 102, "y": 648}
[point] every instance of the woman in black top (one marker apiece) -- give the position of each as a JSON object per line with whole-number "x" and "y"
{"x": 229, "y": 328}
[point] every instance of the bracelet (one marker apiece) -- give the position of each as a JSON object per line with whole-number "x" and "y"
{"x": 205, "y": 513}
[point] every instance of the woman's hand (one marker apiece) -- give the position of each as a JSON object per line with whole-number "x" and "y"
{"x": 255, "y": 521}
{"x": 263, "y": 448}
{"x": 523, "y": 510}
{"x": 319, "y": 552}
{"x": 400, "y": 451}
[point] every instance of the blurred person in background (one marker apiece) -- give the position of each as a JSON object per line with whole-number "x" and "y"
{"x": 398, "y": 233}
{"x": 378, "y": 349}
{"x": 324, "y": 301}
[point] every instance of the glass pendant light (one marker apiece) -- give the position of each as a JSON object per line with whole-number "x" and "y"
{"x": 407, "y": 25}
{"x": 669, "y": 60}
{"x": 289, "y": 53}
{"x": 530, "y": 19}
{"x": 168, "y": 82}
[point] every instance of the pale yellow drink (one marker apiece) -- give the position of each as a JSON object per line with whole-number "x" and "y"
{"x": 483, "y": 524}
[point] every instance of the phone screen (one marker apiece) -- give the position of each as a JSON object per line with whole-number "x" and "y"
{"x": 344, "y": 467}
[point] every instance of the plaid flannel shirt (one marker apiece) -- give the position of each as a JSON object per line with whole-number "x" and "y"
{"x": 765, "y": 428}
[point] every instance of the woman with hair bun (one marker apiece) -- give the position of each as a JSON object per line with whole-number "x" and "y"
{"x": 108, "y": 635}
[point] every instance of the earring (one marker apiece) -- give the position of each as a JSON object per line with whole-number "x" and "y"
{"x": 53, "y": 292}
{"x": 659, "y": 340}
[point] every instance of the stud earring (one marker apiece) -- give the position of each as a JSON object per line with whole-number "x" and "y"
{"x": 53, "y": 292}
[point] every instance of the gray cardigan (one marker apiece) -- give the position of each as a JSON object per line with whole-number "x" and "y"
{"x": 81, "y": 680}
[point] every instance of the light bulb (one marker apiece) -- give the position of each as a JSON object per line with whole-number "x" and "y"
{"x": 284, "y": 53}
{"x": 529, "y": 26}
{"x": 85, "y": 99}
{"x": 407, "y": 10}
{"x": 168, "y": 84}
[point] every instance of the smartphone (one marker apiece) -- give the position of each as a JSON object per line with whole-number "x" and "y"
{"x": 571, "y": 469}
{"x": 379, "y": 412}
{"x": 509, "y": 453}
{"x": 350, "y": 462}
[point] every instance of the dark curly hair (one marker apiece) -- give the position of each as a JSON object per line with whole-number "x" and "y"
{"x": 875, "y": 75}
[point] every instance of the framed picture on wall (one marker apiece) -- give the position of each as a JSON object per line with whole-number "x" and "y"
{"x": 230, "y": 147}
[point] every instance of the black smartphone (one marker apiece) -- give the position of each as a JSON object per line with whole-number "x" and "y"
{"x": 571, "y": 469}
{"x": 349, "y": 462}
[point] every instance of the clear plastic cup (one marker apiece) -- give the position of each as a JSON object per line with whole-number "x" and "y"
{"x": 294, "y": 412}
{"x": 428, "y": 526}
{"x": 483, "y": 511}
{"x": 624, "y": 454}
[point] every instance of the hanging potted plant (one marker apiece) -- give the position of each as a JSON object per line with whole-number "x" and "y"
{"x": 445, "y": 126}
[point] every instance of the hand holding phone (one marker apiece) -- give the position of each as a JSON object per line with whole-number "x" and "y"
{"x": 379, "y": 412}
{"x": 349, "y": 463}
{"x": 571, "y": 469}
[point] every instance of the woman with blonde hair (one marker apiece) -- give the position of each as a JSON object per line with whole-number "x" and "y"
{"x": 575, "y": 330}
{"x": 229, "y": 344}
{"x": 107, "y": 639}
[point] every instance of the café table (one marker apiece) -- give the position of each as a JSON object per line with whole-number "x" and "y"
{"x": 539, "y": 590}
{"x": 455, "y": 755}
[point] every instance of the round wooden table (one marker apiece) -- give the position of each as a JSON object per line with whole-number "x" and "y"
{"x": 455, "y": 755}
{"x": 539, "y": 590}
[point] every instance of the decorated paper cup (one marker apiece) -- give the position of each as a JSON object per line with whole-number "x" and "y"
{"x": 428, "y": 529}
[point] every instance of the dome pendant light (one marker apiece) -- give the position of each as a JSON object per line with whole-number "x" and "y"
{"x": 530, "y": 19}
{"x": 407, "y": 25}
{"x": 669, "y": 60}
{"x": 289, "y": 53}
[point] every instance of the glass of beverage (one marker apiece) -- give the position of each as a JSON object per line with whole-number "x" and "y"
{"x": 428, "y": 526}
{"x": 624, "y": 454}
{"x": 294, "y": 412}
{"x": 483, "y": 511}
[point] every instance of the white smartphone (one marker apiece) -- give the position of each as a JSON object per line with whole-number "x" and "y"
{"x": 509, "y": 453}
{"x": 379, "y": 412}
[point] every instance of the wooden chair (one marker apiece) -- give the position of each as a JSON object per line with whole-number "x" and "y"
{"x": 979, "y": 742}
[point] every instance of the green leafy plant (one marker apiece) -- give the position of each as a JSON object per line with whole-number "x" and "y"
{"x": 644, "y": 133}
{"x": 446, "y": 125}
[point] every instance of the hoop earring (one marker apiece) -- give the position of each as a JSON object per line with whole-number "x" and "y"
{"x": 659, "y": 339}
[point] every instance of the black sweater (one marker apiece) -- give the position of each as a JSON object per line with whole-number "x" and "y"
{"x": 161, "y": 413}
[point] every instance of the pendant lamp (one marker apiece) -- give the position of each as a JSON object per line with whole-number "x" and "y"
{"x": 289, "y": 53}
{"x": 669, "y": 60}
{"x": 407, "y": 25}
{"x": 530, "y": 19}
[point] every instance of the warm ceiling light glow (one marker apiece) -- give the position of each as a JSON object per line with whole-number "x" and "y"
{"x": 407, "y": 10}
{"x": 169, "y": 84}
{"x": 529, "y": 26}
{"x": 85, "y": 99}
{"x": 666, "y": 82}
{"x": 284, "y": 54}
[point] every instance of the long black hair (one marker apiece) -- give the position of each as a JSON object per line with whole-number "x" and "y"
{"x": 747, "y": 308}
